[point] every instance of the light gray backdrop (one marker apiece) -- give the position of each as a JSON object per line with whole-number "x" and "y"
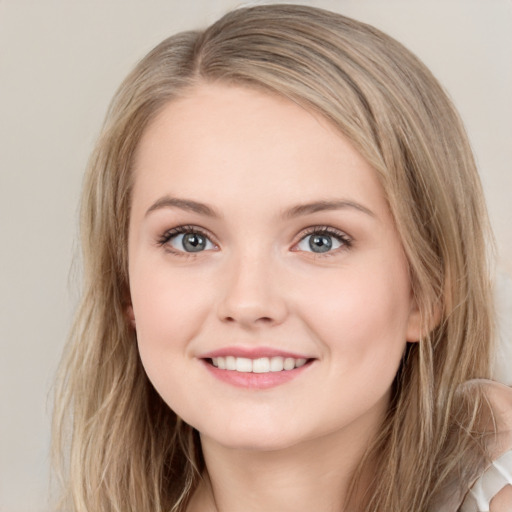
{"x": 60, "y": 62}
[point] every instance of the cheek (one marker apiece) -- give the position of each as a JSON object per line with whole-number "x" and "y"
{"x": 169, "y": 310}
{"x": 361, "y": 312}
{"x": 360, "y": 323}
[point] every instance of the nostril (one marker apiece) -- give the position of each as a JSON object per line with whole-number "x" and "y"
{"x": 251, "y": 312}
{"x": 263, "y": 319}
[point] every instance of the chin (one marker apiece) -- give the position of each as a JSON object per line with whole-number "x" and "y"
{"x": 254, "y": 438}
{"x": 257, "y": 445}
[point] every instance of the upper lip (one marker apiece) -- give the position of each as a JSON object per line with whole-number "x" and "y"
{"x": 252, "y": 353}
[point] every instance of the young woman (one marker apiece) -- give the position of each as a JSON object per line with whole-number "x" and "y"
{"x": 287, "y": 301}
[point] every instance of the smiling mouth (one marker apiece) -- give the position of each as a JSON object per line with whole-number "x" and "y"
{"x": 259, "y": 365}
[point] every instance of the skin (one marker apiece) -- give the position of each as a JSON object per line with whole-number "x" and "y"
{"x": 251, "y": 156}
{"x": 502, "y": 502}
{"x": 501, "y": 399}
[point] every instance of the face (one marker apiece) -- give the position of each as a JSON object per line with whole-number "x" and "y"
{"x": 269, "y": 287}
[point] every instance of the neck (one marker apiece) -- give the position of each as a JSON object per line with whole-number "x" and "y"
{"x": 314, "y": 475}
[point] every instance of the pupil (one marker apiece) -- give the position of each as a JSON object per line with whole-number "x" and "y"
{"x": 320, "y": 243}
{"x": 192, "y": 242}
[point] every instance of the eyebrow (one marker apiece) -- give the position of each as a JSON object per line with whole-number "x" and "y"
{"x": 183, "y": 204}
{"x": 319, "y": 206}
{"x": 295, "y": 211}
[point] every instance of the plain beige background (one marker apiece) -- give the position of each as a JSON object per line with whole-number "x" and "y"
{"x": 60, "y": 62}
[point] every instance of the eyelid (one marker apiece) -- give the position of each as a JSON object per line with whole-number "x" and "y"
{"x": 345, "y": 239}
{"x": 179, "y": 230}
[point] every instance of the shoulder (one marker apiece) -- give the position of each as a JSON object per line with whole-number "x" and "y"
{"x": 492, "y": 491}
{"x": 502, "y": 502}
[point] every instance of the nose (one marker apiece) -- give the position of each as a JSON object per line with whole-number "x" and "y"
{"x": 252, "y": 293}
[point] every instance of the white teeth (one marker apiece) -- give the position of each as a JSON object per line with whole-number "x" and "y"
{"x": 243, "y": 365}
{"x": 276, "y": 364}
{"x": 289, "y": 363}
{"x": 260, "y": 365}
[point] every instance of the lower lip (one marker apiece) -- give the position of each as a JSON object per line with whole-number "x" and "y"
{"x": 250, "y": 380}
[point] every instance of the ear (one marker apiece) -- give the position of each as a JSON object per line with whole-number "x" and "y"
{"x": 413, "y": 332}
{"x": 416, "y": 329}
{"x": 130, "y": 315}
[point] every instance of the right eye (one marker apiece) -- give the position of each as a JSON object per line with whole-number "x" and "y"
{"x": 186, "y": 239}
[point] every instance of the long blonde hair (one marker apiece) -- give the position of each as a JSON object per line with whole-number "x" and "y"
{"x": 128, "y": 450}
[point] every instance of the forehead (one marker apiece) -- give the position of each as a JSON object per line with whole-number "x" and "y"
{"x": 240, "y": 142}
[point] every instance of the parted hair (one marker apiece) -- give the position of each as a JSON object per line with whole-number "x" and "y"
{"x": 119, "y": 447}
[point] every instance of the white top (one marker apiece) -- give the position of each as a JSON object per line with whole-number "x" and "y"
{"x": 494, "y": 479}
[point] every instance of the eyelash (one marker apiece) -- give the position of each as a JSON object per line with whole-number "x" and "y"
{"x": 181, "y": 230}
{"x": 343, "y": 238}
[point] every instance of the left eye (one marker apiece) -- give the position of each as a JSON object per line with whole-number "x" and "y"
{"x": 320, "y": 242}
{"x": 190, "y": 242}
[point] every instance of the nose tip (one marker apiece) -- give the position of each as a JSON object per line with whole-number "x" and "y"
{"x": 253, "y": 297}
